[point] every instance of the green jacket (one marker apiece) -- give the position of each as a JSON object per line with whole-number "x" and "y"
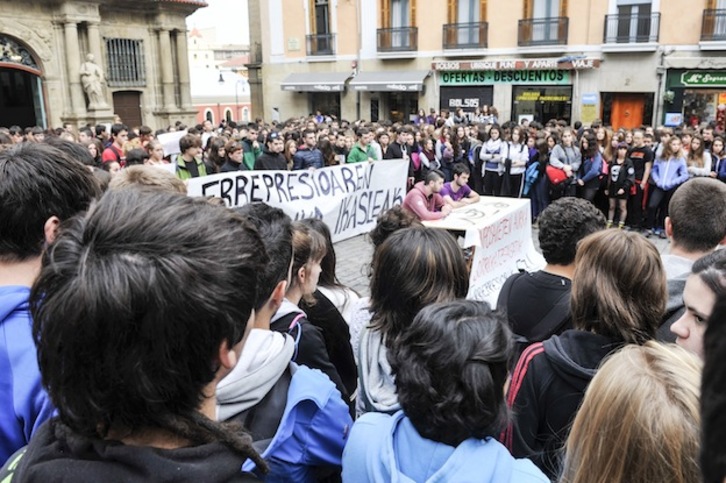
{"x": 250, "y": 154}
{"x": 183, "y": 173}
{"x": 357, "y": 155}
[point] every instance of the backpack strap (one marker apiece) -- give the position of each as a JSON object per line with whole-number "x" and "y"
{"x": 298, "y": 333}
{"x": 554, "y": 316}
{"x": 516, "y": 384}
{"x": 263, "y": 419}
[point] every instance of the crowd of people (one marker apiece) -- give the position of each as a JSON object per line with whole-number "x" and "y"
{"x": 150, "y": 335}
{"x": 629, "y": 175}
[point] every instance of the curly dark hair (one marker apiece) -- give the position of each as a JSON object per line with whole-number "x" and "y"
{"x": 450, "y": 367}
{"x": 563, "y": 224}
{"x": 390, "y": 221}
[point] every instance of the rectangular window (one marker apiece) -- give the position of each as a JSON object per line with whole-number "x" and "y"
{"x": 634, "y": 22}
{"x": 321, "y": 39}
{"x": 544, "y": 15}
{"x": 126, "y": 65}
{"x": 322, "y": 20}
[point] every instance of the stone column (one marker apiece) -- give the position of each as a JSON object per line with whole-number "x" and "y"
{"x": 94, "y": 43}
{"x": 73, "y": 64}
{"x": 167, "y": 69}
{"x": 182, "y": 55}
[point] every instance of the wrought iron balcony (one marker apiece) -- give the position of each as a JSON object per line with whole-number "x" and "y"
{"x": 631, "y": 29}
{"x": 398, "y": 39}
{"x": 713, "y": 26}
{"x": 321, "y": 44}
{"x": 543, "y": 31}
{"x": 465, "y": 35}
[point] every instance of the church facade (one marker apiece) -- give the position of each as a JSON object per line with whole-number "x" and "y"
{"x": 82, "y": 62}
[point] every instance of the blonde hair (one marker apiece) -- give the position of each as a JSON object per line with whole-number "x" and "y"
{"x": 639, "y": 421}
{"x": 619, "y": 286}
{"x": 148, "y": 177}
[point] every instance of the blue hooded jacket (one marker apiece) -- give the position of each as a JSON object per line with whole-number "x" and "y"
{"x": 388, "y": 448}
{"x": 24, "y": 404}
{"x": 312, "y": 432}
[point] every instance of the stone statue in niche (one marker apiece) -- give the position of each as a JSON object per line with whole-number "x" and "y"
{"x": 92, "y": 79}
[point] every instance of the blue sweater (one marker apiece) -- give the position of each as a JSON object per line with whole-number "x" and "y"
{"x": 388, "y": 448}
{"x": 667, "y": 174}
{"x": 24, "y": 404}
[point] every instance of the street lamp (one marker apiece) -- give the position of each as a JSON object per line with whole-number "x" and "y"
{"x": 236, "y": 95}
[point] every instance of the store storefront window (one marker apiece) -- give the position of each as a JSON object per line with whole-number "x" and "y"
{"x": 701, "y": 105}
{"x": 402, "y": 106}
{"x": 468, "y": 98}
{"x": 328, "y": 103}
{"x": 542, "y": 103}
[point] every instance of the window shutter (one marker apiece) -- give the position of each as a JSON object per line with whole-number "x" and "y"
{"x": 385, "y": 14}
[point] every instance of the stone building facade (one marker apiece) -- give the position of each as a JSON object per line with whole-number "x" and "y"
{"x": 627, "y": 62}
{"x": 139, "y": 47}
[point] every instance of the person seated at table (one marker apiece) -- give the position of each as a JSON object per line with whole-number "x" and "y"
{"x": 425, "y": 201}
{"x": 457, "y": 193}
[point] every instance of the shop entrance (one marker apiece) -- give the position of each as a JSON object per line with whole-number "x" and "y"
{"x": 542, "y": 103}
{"x": 627, "y": 110}
{"x": 328, "y": 103}
{"x": 469, "y": 98}
{"x": 402, "y": 106}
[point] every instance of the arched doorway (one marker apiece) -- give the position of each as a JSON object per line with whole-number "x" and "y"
{"x": 21, "y": 87}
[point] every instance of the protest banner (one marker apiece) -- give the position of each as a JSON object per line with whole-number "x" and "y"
{"x": 500, "y": 230}
{"x": 347, "y": 198}
{"x": 170, "y": 142}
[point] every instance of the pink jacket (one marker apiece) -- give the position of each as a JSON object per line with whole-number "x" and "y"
{"x": 425, "y": 208}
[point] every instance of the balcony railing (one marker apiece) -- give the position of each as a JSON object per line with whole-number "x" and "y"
{"x": 543, "y": 31}
{"x": 321, "y": 44}
{"x": 398, "y": 39}
{"x": 631, "y": 29}
{"x": 713, "y": 26}
{"x": 465, "y": 35}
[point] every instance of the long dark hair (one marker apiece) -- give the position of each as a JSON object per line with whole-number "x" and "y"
{"x": 328, "y": 277}
{"x": 413, "y": 268}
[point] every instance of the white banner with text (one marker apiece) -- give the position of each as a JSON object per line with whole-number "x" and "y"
{"x": 348, "y": 198}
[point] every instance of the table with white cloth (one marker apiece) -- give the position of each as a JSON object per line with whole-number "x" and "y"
{"x": 499, "y": 230}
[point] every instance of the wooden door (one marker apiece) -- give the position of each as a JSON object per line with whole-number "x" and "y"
{"x": 127, "y": 105}
{"x": 627, "y": 111}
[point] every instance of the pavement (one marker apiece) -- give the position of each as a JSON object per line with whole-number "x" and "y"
{"x": 354, "y": 259}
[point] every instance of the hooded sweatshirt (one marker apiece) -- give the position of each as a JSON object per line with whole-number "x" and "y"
{"x": 24, "y": 404}
{"x": 313, "y": 420}
{"x": 388, "y": 448}
{"x": 58, "y": 454}
{"x": 547, "y": 387}
{"x": 677, "y": 269}
{"x": 310, "y": 347}
{"x": 377, "y": 387}
{"x": 265, "y": 357}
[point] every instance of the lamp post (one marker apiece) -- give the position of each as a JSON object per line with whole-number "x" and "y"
{"x": 236, "y": 94}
